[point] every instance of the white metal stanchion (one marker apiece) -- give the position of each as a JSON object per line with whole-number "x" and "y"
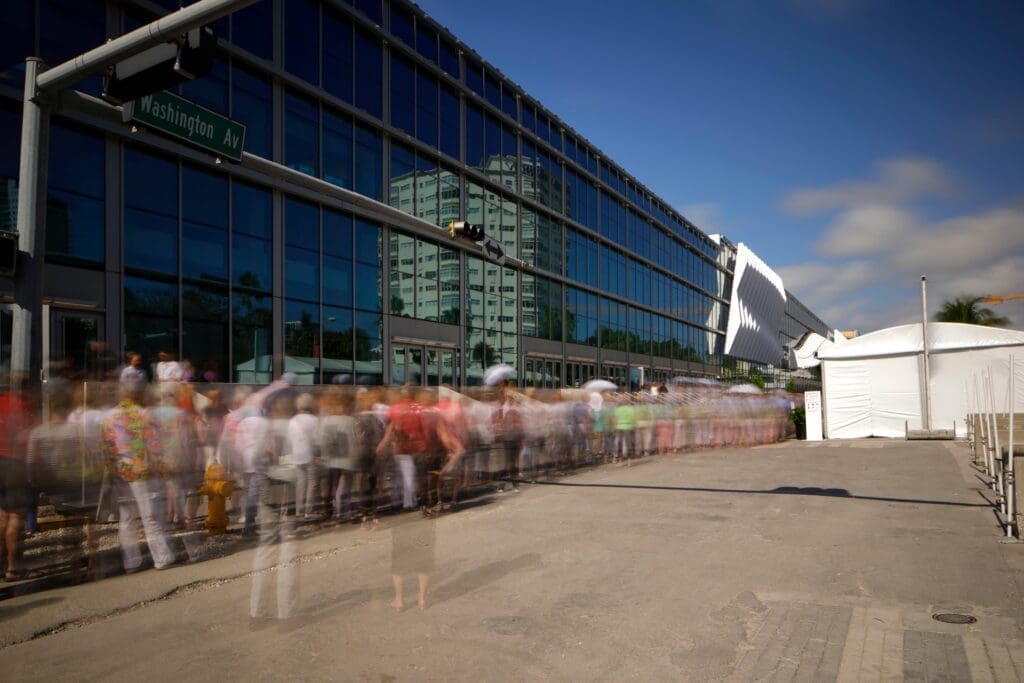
{"x": 1011, "y": 511}
{"x": 982, "y": 423}
{"x": 996, "y": 453}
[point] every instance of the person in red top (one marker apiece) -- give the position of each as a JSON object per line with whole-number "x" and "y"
{"x": 406, "y": 436}
{"x": 15, "y": 420}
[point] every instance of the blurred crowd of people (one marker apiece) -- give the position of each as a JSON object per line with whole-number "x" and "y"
{"x": 137, "y": 451}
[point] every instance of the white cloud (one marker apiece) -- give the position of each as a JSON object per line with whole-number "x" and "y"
{"x": 875, "y": 248}
{"x": 704, "y": 216}
{"x": 896, "y": 181}
{"x": 867, "y": 229}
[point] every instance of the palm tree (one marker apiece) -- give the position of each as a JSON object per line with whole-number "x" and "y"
{"x": 965, "y": 309}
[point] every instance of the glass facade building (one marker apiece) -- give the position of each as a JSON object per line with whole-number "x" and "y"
{"x": 152, "y": 246}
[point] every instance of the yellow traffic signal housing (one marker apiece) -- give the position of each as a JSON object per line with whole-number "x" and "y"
{"x": 466, "y": 230}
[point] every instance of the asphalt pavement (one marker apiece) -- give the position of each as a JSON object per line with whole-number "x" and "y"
{"x": 797, "y": 561}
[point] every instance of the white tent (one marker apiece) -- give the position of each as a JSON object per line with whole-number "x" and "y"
{"x": 873, "y": 385}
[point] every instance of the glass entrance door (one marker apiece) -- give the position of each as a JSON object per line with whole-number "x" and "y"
{"x": 75, "y": 345}
{"x": 424, "y": 365}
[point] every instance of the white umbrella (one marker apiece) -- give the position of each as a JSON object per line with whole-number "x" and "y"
{"x": 744, "y": 389}
{"x": 599, "y": 385}
{"x": 496, "y": 374}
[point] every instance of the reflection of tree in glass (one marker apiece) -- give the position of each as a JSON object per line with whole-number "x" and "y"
{"x": 485, "y": 353}
{"x": 301, "y": 337}
{"x": 450, "y": 316}
{"x": 397, "y": 305}
{"x": 367, "y": 345}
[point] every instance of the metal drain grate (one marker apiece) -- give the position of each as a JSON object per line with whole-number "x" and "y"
{"x": 953, "y": 618}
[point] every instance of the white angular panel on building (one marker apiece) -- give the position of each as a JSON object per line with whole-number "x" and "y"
{"x": 756, "y": 310}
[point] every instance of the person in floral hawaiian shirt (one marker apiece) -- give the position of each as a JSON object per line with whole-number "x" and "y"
{"x": 132, "y": 448}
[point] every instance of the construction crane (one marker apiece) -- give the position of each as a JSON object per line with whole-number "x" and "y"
{"x": 1001, "y": 299}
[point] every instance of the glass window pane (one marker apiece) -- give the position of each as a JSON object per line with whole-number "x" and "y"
{"x": 508, "y": 103}
{"x": 302, "y": 134}
{"x": 426, "y": 109}
{"x": 368, "y": 293}
{"x": 475, "y": 77}
{"x": 368, "y": 248}
{"x": 426, "y": 41}
{"x": 449, "y": 286}
{"x": 204, "y": 197}
{"x": 449, "y": 120}
{"x": 74, "y": 226}
{"x": 449, "y": 209}
{"x": 75, "y": 208}
{"x": 368, "y": 348}
{"x": 204, "y": 252}
{"x": 372, "y": 9}
{"x": 302, "y": 340}
{"x": 337, "y": 233}
{"x": 475, "y": 155}
{"x": 337, "y": 354}
{"x": 369, "y": 74}
{"x": 252, "y": 262}
{"x": 302, "y": 39}
{"x": 338, "y": 64}
{"x": 401, "y": 24}
{"x": 252, "y": 105}
{"x": 151, "y": 317}
{"x": 251, "y": 210}
{"x": 204, "y": 334}
{"x": 302, "y": 224}
{"x": 150, "y": 241}
{"x": 426, "y": 188}
{"x": 150, "y": 182}
{"x": 71, "y": 28}
{"x": 403, "y": 113}
{"x": 337, "y": 153}
{"x": 449, "y": 59}
{"x": 210, "y": 91}
{"x": 401, "y": 194}
{"x": 369, "y": 162}
{"x": 427, "y": 290}
{"x": 301, "y": 274}
{"x": 75, "y": 162}
{"x": 252, "y": 29}
{"x": 337, "y": 289}
{"x": 493, "y": 87}
{"x": 251, "y": 338}
{"x": 17, "y": 24}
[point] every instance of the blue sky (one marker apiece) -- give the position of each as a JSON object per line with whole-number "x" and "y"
{"x": 853, "y": 144}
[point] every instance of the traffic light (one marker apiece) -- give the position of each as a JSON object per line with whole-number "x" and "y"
{"x": 162, "y": 67}
{"x": 466, "y": 230}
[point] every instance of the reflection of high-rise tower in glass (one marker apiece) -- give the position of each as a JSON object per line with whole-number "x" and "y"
{"x": 9, "y": 204}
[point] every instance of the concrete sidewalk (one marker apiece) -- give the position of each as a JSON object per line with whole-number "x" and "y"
{"x": 795, "y": 561}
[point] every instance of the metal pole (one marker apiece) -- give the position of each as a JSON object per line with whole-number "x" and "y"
{"x": 988, "y": 428}
{"x": 163, "y": 30}
{"x": 26, "y": 351}
{"x": 980, "y": 423}
{"x": 996, "y": 454}
{"x": 1011, "y": 507}
{"x": 927, "y": 417}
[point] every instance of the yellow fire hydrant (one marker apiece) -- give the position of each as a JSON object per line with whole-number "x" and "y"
{"x": 216, "y": 487}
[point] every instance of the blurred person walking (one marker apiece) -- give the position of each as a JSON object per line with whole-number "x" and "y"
{"x": 132, "y": 447}
{"x": 304, "y": 448}
{"x": 408, "y": 440}
{"x": 15, "y": 420}
{"x": 340, "y": 455}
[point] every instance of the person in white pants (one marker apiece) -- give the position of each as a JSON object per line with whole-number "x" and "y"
{"x": 304, "y": 442}
{"x": 131, "y": 445}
